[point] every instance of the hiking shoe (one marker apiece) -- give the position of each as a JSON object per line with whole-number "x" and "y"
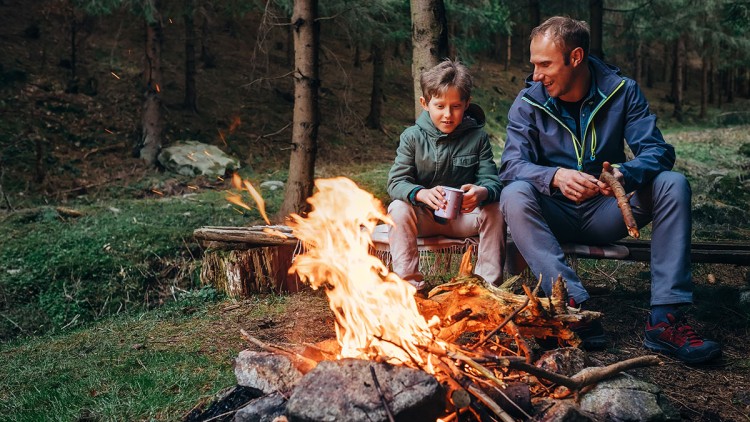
{"x": 677, "y": 338}
{"x": 591, "y": 334}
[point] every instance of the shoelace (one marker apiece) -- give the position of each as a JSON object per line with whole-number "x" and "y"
{"x": 685, "y": 332}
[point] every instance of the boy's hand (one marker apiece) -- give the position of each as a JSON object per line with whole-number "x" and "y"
{"x": 473, "y": 196}
{"x": 433, "y": 198}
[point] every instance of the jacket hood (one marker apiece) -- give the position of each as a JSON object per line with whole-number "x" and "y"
{"x": 607, "y": 78}
{"x": 474, "y": 118}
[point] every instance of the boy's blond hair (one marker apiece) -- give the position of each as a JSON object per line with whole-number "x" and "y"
{"x": 448, "y": 73}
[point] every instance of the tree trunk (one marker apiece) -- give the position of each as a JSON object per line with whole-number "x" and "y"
{"x": 596, "y": 12}
{"x": 712, "y": 82}
{"x": 666, "y": 60}
{"x": 357, "y": 56}
{"x": 190, "y": 91}
{"x": 649, "y": 68}
{"x": 73, "y": 82}
{"x": 508, "y": 49}
{"x": 730, "y": 84}
{"x": 704, "y": 81}
{"x": 306, "y": 119}
{"x": 378, "y": 79}
{"x": 207, "y": 57}
{"x": 535, "y": 13}
{"x": 429, "y": 41}
{"x": 153, "y": 119}
{"x": 679, "y": 63}
{"x": 638, "y": 62}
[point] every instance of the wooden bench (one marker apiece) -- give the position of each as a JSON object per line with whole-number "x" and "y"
{"x": 246, "y": 260}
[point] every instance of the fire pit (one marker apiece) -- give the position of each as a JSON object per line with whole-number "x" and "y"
{"x": 462, "y": 347}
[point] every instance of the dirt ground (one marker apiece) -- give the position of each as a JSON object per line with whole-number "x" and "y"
{"x": 717, "y": 391}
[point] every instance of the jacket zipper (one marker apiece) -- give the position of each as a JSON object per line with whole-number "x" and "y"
{"x": 591, "y": 117}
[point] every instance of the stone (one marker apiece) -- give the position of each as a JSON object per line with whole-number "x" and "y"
{"x": 625, "y": 398}
{"x": 262, "y": 409}
{"x": 193, "y": 158}
{"x": 745, "y": 297}
{"x": 566, "y": 361}
{"x": 272, "y": 185}
{"x": 267, "y": 372}
{"x": 560, "y": 411}
{"x": 344, "y": 390}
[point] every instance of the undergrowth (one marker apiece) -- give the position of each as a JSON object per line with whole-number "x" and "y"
{"x": 138, "y": 366}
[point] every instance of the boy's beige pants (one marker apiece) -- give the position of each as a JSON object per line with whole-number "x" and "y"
{"x": 411, "y": 222}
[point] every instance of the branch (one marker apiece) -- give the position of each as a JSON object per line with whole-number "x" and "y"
{"x": 380, "y": 393}
{"x": 304, "y": 364}
{"x": 267, "y": 79}
{"x": 622, "y": 199}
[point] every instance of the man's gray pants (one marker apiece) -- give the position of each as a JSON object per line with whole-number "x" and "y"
{"x": 539, "y": 223}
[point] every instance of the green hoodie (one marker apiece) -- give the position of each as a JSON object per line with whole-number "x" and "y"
{"x": 427, "y": 157}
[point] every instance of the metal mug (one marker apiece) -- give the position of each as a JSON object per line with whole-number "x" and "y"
{"x": 453, "y": 207}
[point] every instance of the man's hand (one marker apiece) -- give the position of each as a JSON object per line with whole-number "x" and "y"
{"x": 473, "y": 196}
{"x": 604, "y": 188}
{"x": 433, "y": 198}
{"x": 575, "y": 185}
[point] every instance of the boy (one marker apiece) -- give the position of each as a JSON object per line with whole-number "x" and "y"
{"x": 446, "y": 147}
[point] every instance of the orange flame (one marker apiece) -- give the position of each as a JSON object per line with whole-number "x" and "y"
{"x": 376, "y": 314}
{"x": 236, "y": 199}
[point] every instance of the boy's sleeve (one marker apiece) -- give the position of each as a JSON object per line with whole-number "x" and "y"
{"x": 487, "y": 176}
{"x": 402, "y": 178}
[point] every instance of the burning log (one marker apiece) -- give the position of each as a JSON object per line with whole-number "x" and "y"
{"x": 623, "y": 200}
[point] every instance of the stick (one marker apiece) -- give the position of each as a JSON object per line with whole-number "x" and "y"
{"x": 473, "y": 389}
{"x": 494, "y": 407}
{"x": 380, "y": 393}
{"x": 502, "y": 324}
{"x": 578, "y": 381}
{"x": 303, "y": 363}
{"x": 608, "y": 177}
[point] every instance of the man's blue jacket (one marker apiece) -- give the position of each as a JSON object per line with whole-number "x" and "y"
{"x": 540, "y": 139}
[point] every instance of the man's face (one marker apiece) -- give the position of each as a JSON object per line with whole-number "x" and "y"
{"x": 446, "y": 112}
{"x": 550, "y": 69}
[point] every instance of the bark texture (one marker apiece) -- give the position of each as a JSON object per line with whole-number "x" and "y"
{"x": 306, "y": 114}
{"x": 429, "y": 41}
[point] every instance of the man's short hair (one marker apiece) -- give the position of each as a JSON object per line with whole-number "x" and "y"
{"x": 448, "y": 73}
{"x": 566, "y": 33}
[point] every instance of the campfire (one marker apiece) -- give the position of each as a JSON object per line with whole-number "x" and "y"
{"x": 474, "y": 339}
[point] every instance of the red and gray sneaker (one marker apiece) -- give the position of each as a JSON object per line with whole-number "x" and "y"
{"x": 677, "y": 338}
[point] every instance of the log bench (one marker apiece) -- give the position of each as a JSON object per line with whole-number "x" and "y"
{"x": 245, "y": 260}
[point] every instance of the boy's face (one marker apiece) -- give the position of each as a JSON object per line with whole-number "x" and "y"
{"x": 446, "y": 112}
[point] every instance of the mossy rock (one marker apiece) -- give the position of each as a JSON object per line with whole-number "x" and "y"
{"x": 193, "y": 158}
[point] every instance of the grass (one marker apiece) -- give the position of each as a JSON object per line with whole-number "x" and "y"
{"x": 57, "y": 271}
{"x": 141, "y": 366}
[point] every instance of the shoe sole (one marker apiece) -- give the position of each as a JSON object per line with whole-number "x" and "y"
{"x": 656, "y": 347}
{"x": 595, "y": 342}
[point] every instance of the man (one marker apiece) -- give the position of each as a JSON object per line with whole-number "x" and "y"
{"x": 576, "y": 113}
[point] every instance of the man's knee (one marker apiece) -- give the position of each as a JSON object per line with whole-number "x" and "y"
{"x": 672, "y": 184}
{"x": 516, "y": 196}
